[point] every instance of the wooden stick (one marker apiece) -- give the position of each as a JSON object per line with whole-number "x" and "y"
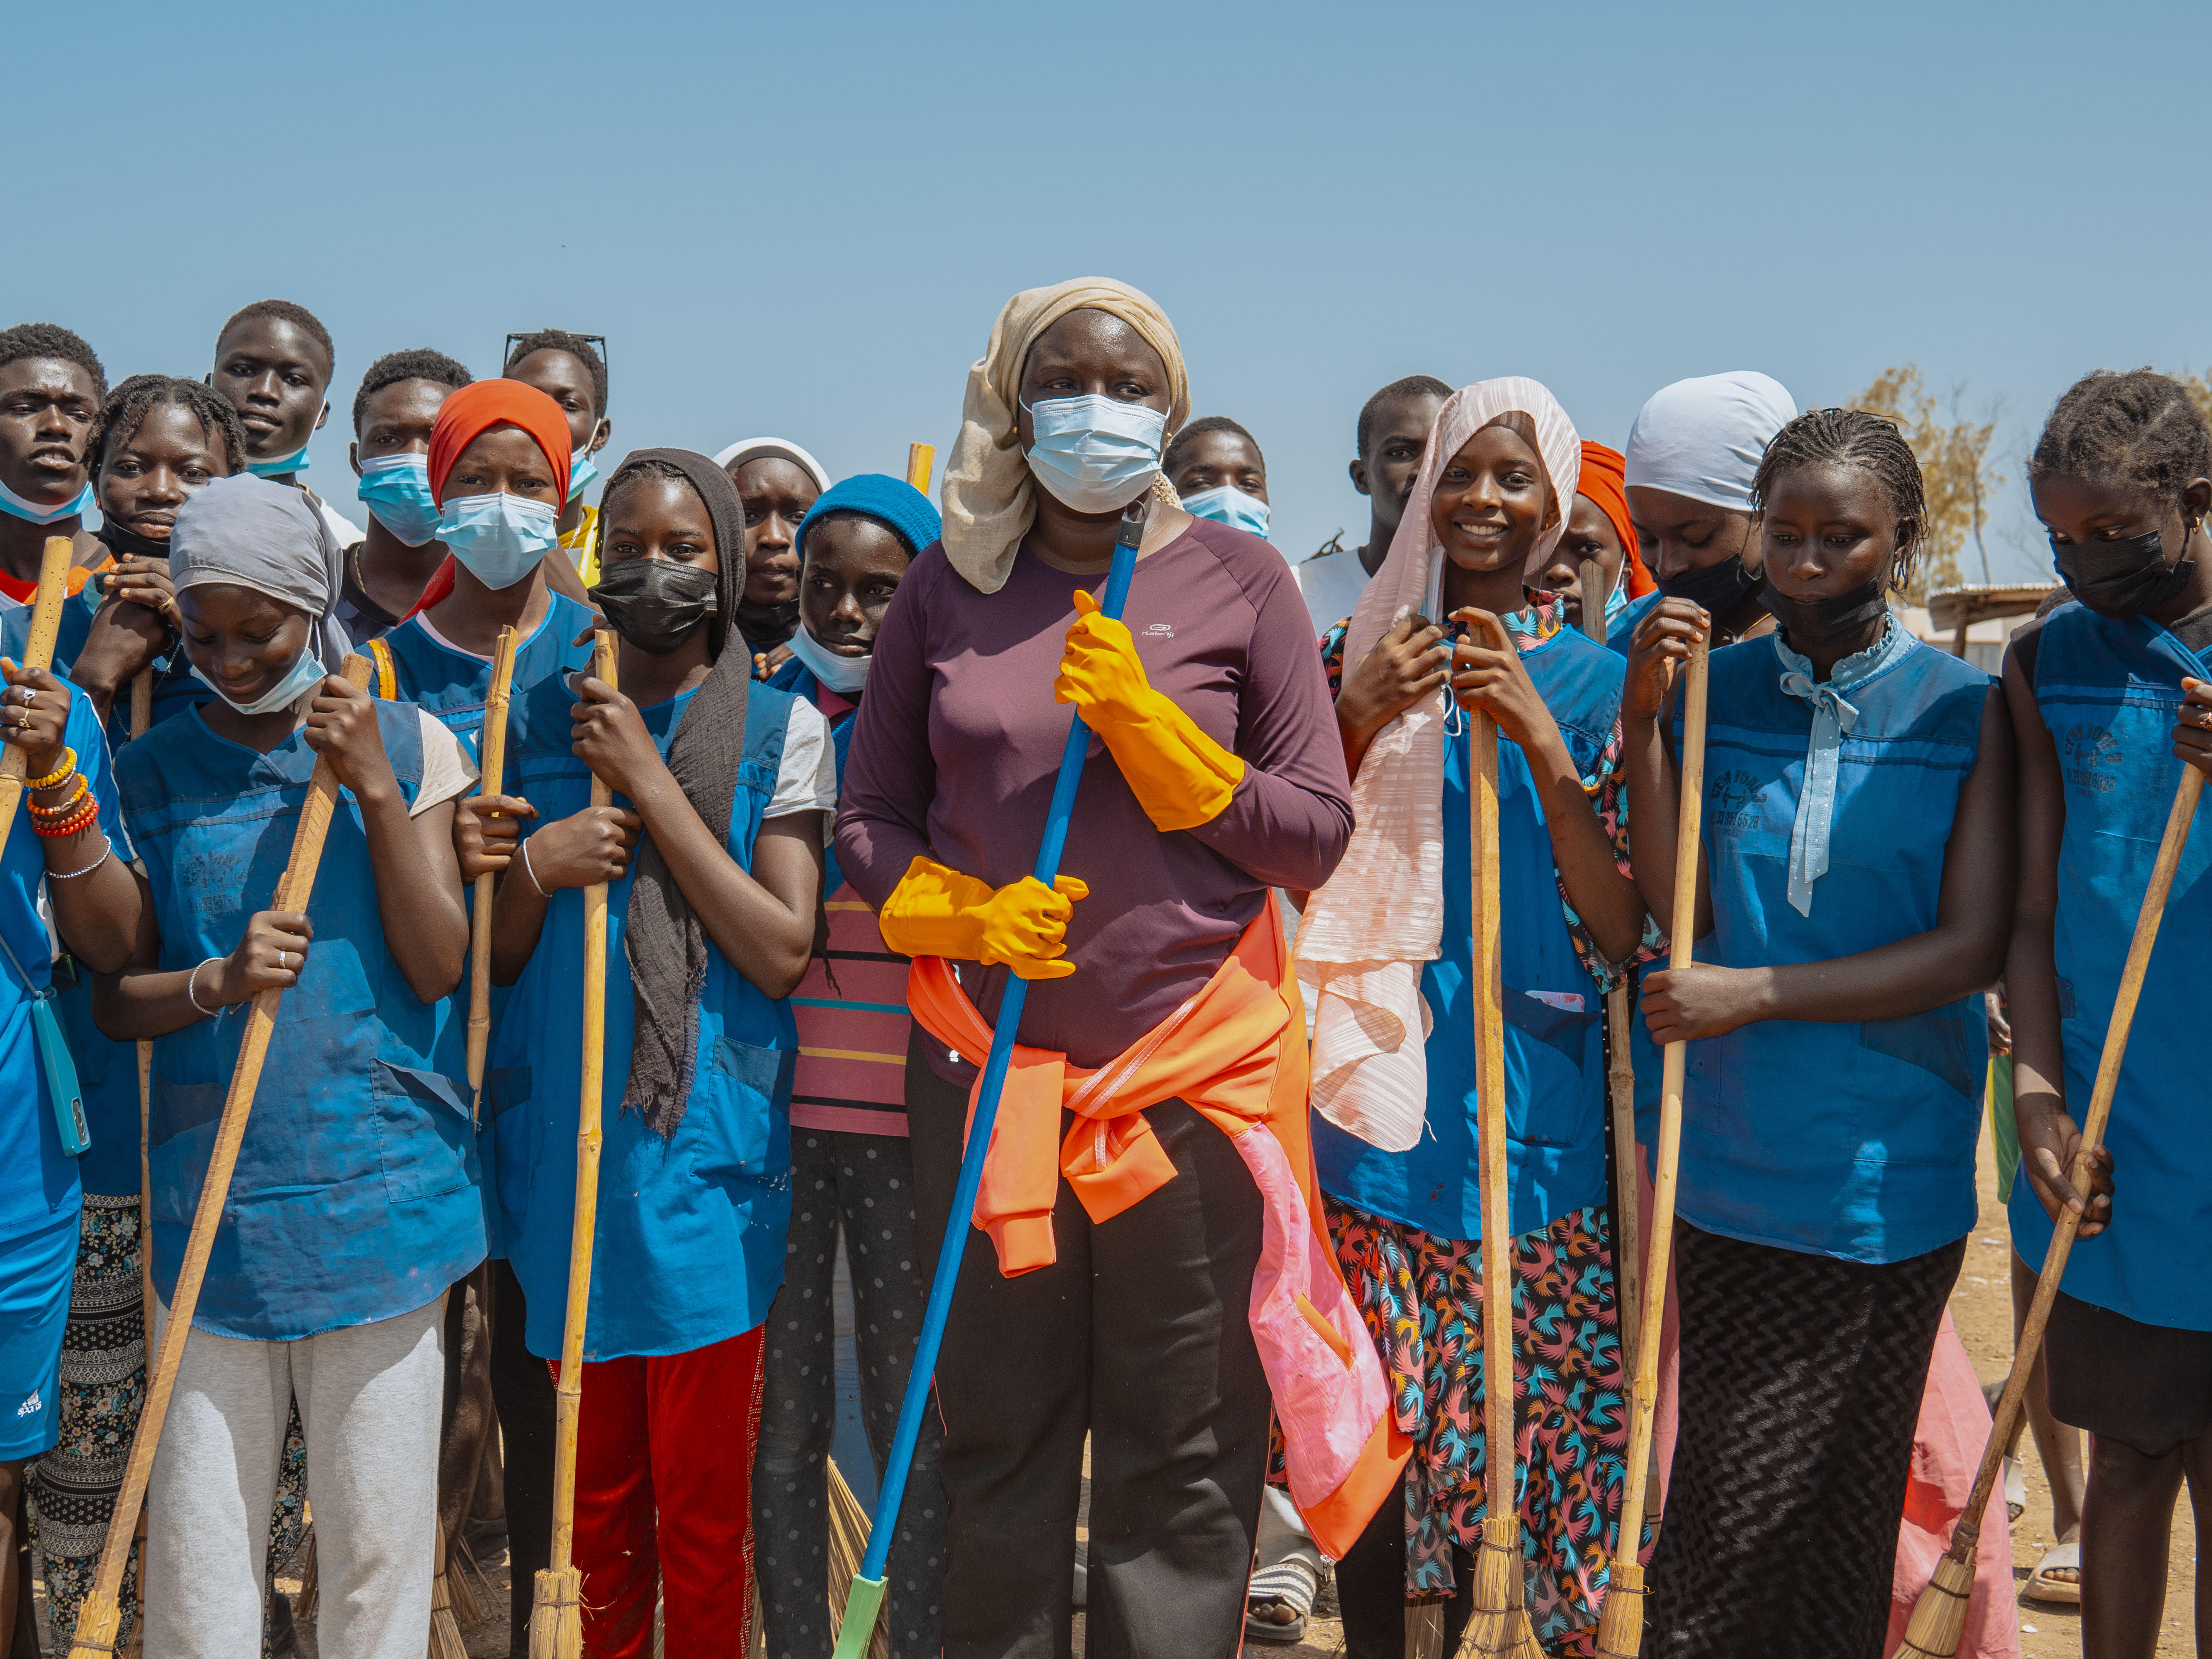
{"x": 38, "y": 653}
{"x": 1627, "y": 1229}
{"x": 494, "y": 747}
{"x": 921, "y": 458}
{"x": 97, "y": 1620}
{"x": 1939, "y": 1617}
{"x": 1500, "y": 1621}
{"x": 1620, "y": 1626}
{"x": 556, "y": 1611}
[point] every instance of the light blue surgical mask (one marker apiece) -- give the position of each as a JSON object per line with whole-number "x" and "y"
{"x": 582, "y": 473}
{"x": 841, "y": 674}
{"x": 501, "y": 537}
{"x": 295, "y": 462}
{"x": 306, "y": 672}
{"x": 1227, "y": 504}
{"x": 1617, "y": 601}
{"x": 38, "y": 512}
{"x": 397, "y": 490}
{"x": 1097, "y": 454}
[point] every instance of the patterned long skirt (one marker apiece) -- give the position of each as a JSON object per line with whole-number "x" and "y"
{"x": 73, "y": 1487}
{"x": 1421, "y": 1296}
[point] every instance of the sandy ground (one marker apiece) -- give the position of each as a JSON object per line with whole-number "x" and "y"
{"x": 1982, "y": 1306}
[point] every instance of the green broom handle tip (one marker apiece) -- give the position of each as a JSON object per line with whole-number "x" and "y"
{"x": 862, "y": 1603}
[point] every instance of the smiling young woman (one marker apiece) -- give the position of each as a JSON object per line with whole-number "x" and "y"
{"x": 1853, "y": 901}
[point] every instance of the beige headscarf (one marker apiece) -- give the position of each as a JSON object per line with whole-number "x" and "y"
{"x": 1367, "y": 931}
{"x": 988, "y": 503}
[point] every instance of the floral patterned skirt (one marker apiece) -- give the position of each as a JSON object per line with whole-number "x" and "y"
{"x": 1421, "y": 1296}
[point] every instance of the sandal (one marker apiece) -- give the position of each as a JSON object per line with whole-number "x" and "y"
{"x": 2059, "y": 1557}
{"x": 1280, "y": 1599}
{"x": 2015, "y": 1491}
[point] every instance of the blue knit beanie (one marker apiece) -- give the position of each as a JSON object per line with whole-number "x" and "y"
{"x": 891, "y": 501}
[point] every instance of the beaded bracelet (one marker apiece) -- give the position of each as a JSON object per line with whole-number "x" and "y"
{"x": 83, "y": 786}
{"x": 58, "y": 775}
{"x": 106, "y": 853}
{"x": 86, "y": 815}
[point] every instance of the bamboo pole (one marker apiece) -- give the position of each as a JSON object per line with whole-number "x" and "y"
{"x": 38, "y": 653}
{"x": 96, "y": 1622}
{"x": 556, "y": 1610}
{"x": 1939, "y": 1617}
{"x": 921, "y": 458}
{"x": 1499, "y": 1625}
{"x": 1620, "y": 1626}
{"x": 493, "y": 748}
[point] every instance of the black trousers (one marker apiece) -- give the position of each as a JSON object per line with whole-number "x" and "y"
{"x": 522, "y": 1388}
{"x": 1138, "y": 1333}
{"x": 1370, "y": 1589}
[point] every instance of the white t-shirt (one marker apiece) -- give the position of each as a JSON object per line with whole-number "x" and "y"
{"x": 448, "y": 771}
{"x": 806, "y": 781}
{"x": 1331, "y": 584}
{"x": 344, "y": 528}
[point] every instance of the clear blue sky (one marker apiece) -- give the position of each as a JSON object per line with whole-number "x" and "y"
{"x": 802, "y": 219}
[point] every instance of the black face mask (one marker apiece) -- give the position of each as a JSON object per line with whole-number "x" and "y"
{"x": 2124, "y": 577}
{"x": 1718, "y": 587}
{"x": 656, "y": 604}
{"x": 129, "y": 544}
{"x": 1824, "y": 622}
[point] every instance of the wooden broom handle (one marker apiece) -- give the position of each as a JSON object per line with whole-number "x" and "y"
{"x": 493, "y": 772}
{"x": 293, "y": 892}
{"x": 921, "y": 459}
{"x": 38, "y": 653}
{"x": 1967, "y": 1535}
{"x": 1498, "y": 1385}
{"x": 1669, "y": 1152}
{"x": 568, "y": 1396}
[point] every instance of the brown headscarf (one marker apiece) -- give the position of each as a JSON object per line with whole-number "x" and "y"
{"x": 988, "y": 497}
{"x": 665, "y": 942}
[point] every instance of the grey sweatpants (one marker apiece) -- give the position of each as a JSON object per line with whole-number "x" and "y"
{"x": 369, "y": 1398}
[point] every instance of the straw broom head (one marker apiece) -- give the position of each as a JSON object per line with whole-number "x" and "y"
{"x": 1620, "y": 1625}
{"x": 1499, "y": 1626}
{"x": 445, "y": 1629}
{"x": 557, "y": 1615}
{"x": 1939, "y": 1617}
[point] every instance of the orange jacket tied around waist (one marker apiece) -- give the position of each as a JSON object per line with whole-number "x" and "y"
{"x": 1235, "y": 1052}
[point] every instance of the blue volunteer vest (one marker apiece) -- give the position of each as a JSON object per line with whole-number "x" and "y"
{"x": 106, "y": 1071}
{"x": 1854, "y": 1141}
{"x": 354, "y": 1197}
{"x": 2109, "y": 689}
{"x": 1555, "y": 1014}
{"x": 691, "y": 1229}
{"x": 39, "y": 1184}
{"x": 454, "y": 686}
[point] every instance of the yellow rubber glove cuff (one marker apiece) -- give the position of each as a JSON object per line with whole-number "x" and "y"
{"x": 936, "y": 911}
{"x": 1182, "y": 777}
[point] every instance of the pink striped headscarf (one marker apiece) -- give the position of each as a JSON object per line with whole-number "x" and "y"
{"x": 1368, "y": 931}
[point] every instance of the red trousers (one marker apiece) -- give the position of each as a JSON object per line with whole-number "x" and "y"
{"x": 663, "y": 1500}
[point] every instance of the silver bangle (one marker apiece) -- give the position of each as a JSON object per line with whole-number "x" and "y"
{"x": 532, "y": 874}
{"x": 71, "y": 875}
{"x": 191, "y": 993}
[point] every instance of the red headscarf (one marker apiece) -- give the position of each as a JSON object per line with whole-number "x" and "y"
{"x": 467, "y": 416}
{"x": 1602, "y": 481}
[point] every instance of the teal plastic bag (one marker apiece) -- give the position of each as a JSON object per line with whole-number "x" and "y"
{"x": 54, "y": 1060}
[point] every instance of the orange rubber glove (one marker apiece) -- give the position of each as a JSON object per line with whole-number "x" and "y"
{"x": 936, "y": 911}
{"x": 1179, "y": 775}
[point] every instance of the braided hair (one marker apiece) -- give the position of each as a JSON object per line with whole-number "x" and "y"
{"x": 55, "y": 342}
{"x": 1852, "y": 437}
{"x": 560, "y": 339}
{"x": 128, "y": 405}
{"x": 2141, "y": 427}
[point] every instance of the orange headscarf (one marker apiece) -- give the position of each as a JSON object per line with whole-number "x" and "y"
{"x": 467, "y": 416}
{"x": 1603, "y": 472}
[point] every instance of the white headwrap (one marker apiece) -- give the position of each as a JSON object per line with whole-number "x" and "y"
{"x": 1368, "y": 931}
{"x": 753, "y": 449}
{"x": 267, "y": 537}
{"x": 1704, "y": 438}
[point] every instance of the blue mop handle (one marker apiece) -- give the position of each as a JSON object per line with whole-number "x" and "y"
{"x": 987, "y": 1103}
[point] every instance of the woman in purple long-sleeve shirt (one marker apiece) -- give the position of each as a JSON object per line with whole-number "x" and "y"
{"x": 1136, "y": 1331}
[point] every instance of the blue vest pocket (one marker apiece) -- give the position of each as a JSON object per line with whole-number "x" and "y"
{"x": 1561, "y": 1029}
{"x": 177, "y": 1109}
{"x": 421, "y": 1119}
{"x": 1936, "y": 1043}
{"x": 729, "y": 1121}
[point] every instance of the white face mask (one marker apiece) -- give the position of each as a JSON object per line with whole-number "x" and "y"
{"x": 1227, "y": 504}
{"x": 841, "y": 674}
{"x": 1096, "y": 454}
{"x": 305, "y": 674}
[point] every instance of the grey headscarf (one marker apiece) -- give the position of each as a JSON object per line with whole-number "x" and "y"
{"x": 267, "y": 537}
{"x": 665, "y": 942}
